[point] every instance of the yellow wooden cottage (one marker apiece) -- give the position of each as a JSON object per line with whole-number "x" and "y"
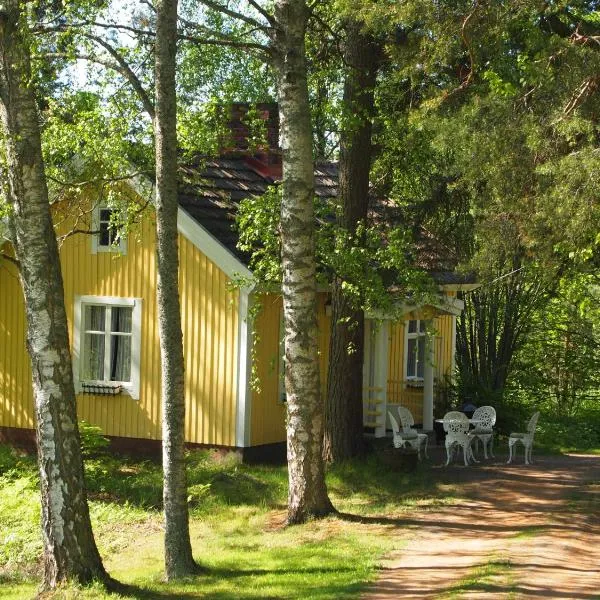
{"x": 233, "y": 366}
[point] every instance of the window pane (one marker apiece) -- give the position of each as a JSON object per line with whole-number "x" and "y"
{"x": 412, "y": 327}
{"x": 104, "y": 235}
{"x": 411, "y": 359}
{"x": 120, "y": 357}
{"x": 94, "y": 318}
{"x": 422, "y": 326}
{"x": 105, "y": 214}
{"x": 421, "y": 355}
{"x": 93, "y": 353}
{"x": 121, "y": 319}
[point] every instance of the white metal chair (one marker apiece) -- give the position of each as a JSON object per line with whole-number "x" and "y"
{"x": 484, "y": 430}
{"x": 401, "y": 438}
{"x": 525, "y": 438}
{"x": 407, "y": 421}
{"x": 456, "y": 426}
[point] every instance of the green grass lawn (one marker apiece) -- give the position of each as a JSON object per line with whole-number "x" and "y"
{"x": 238, "y": 528}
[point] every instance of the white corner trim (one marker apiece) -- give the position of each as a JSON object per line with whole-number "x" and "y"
{"x": 133, "y": 388}
{"x": 232, "y": 266}
{"x": 244, "y": 368}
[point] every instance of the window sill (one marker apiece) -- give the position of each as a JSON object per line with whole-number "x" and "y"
{"x": 103, "y": 389}
{"x": 415, "y": 383}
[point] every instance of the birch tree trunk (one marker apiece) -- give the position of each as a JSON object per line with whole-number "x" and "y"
{"x": 344, "y": 405}
{"x": 307, "y": 493}
{"x": 178, "y": 549}
{"x": 70, "y": 551}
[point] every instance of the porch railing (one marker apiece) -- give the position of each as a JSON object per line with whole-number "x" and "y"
{"x": 374, "y": 415}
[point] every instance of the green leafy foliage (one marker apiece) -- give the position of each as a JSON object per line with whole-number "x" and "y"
{"x": 375, "y": 262}
{"x": 557, "y": 366}
{"x": 93, "y": 443}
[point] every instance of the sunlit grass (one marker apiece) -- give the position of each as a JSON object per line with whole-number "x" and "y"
{"x": 484, "y": 578}
{"x": 530, "y": 532}
{"x": 238, "y": 529}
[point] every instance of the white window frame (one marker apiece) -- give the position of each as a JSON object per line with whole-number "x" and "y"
{"x": 421, "y": 337}
{"x": 120, "y": 248}
{"x": 131, "y": 387}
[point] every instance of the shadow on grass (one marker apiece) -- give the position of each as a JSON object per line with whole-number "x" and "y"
{"x": 139, "y": 483}
{"x": 209, "y": 576}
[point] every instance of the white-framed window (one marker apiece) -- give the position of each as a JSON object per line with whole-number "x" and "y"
{"x": 414, "y": 350}
{"x": 106, "y": 345}
{"x": 108, "y": 238}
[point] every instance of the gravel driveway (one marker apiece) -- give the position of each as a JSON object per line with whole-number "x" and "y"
{"x": 517, "y": 532}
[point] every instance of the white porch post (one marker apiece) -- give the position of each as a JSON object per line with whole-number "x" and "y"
{"x": 244, "y": 369}
{"x": 428, "y": 369}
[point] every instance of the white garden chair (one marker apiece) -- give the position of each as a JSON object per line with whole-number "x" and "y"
{"x": 407, "y": 421}
{"x": 484, "y": 428}
{"x": 525, "y": 438}
{"x": 401, "y": 439}
{"x": 456, "y": 426}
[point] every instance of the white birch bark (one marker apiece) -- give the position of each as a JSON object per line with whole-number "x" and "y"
{"x": 307, "y": 493}
{"x": 178, "y": 549}
{"x": 69, "y": 548}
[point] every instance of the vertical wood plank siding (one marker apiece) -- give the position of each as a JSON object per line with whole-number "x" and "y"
{"x": 398, "y": 391}
{"x": 210, "y": 315}
{"x": 16, "y": 395}
{"x": 268, "y": 411}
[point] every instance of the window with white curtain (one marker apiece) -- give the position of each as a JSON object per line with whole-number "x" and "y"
{"x": 416, "y": 336}
{"x": 108, "y": 336}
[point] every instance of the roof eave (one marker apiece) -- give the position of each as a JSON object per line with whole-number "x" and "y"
{"x": 197, "y": 235}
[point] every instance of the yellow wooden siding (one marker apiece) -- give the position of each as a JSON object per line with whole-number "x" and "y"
{"x": 210, "y": 326}
{"x": 268, "y": 412}
{"x": 209, "y": 309}
{"x": 16, "y": 396}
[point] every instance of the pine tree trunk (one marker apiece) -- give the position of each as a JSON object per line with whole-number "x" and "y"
{"x": 344, "y": 405}
{"x": 307, "y": 494}
{"x": 178, "y": 549}
{"x": 70, "y": 551}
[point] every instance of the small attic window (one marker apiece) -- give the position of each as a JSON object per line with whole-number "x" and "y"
{"x": 108, "y": 238}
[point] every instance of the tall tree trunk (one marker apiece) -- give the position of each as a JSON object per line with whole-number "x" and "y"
{"x": 307, "y": 495}
{"x": 344, "y": 406}
{"x": 70, "y": 551}
{"x": 178, "y": 549}
{"x": 493, "y": 327}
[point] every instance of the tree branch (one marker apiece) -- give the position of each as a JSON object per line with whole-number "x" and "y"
{"x": 94, "y": 181}
{"x": 128, "y": 73}
{"x": 234, "y": 14}
{"x": 267, "y": 15}
{"x": 587, "y": 88}
{"x": 224, "y": 42}
{"x": 121, "y": 65}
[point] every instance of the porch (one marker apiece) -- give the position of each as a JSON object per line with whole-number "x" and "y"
{"x": 398, "y": 371}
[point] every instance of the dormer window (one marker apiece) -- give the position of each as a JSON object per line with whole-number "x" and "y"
{"x": 108, "y": 237}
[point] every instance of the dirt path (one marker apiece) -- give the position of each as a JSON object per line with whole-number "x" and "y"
{"x": 520, "y": 532}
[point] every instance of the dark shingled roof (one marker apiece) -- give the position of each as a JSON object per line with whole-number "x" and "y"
{"x": 210, "y": 191}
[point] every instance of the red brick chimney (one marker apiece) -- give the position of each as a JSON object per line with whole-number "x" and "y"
{"x": 264, "y": 158}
